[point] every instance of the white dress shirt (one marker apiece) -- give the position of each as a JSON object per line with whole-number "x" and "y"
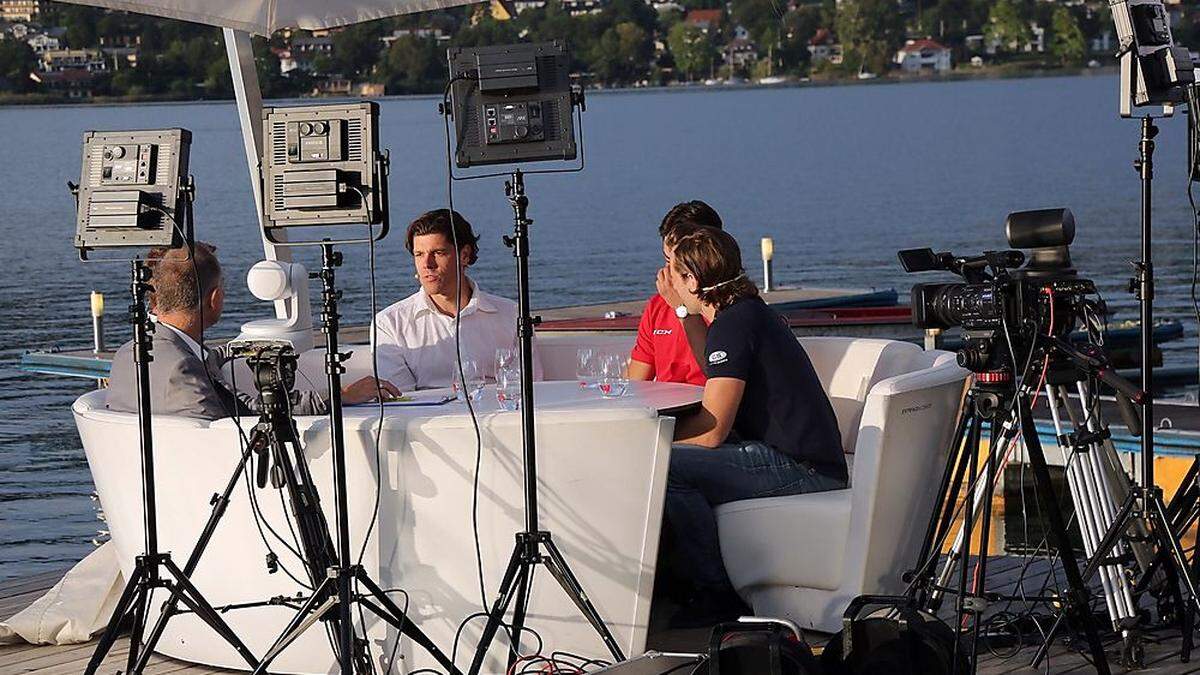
{"x": 415, "y": 340}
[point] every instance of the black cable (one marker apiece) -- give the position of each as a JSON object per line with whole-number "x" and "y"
{"x": 458, "y": 347}
{"x": 372, "y": 338}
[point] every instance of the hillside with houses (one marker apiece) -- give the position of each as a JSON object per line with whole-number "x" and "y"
{"x": 53, "y": 51}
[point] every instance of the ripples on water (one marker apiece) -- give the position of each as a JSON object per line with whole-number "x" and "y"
{"x": 841, "y": 177}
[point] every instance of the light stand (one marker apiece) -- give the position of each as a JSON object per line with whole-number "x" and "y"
{"x": 148, "y": 571}
{"x": 334, "y": 597}
{"x": 1145, "y": 500}
{"x": 534, "y": 546}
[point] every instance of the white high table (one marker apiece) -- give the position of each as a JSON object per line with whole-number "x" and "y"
{"x": 602, "y": 468}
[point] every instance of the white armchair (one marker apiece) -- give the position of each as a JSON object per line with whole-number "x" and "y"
{"x": 805, "y": 557}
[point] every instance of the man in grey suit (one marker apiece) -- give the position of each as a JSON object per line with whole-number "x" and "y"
{"x": 185, "y": 378}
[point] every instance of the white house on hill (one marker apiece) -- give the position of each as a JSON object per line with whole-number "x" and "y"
{"x": 917, "y": 55}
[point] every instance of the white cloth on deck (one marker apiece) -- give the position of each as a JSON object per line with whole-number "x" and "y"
{"x": 78, "y": 607}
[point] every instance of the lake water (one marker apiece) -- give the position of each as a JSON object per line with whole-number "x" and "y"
{"x": 841, "y": 177}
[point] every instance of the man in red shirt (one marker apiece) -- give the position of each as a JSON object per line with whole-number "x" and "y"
{"x": 669, "y": 337}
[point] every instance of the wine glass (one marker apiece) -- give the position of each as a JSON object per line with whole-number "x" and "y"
{"x": 474, "y": 382}
{"x": 508, "y": 388}
{"x": 506, "y": 358}
{"x": 587, "y": 367}
{"x": 614, "y": 375}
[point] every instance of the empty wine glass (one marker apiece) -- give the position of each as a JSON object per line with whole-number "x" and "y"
{"x": 614, "y": 375}
{"x": 508, "y": 388}
{"x": 474, "y": 381}
{"x": 587, "y": 367}
{"x": 506, "y": 358}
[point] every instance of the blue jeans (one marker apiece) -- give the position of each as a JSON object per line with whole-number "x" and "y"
{"x": 702, "y": 478}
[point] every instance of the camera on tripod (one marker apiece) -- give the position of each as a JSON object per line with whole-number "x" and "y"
{"x": 1004, "y": 290}
{"x": 274, "y": 366}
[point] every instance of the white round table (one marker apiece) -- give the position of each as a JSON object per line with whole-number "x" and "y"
{"x": 668, "y": 398}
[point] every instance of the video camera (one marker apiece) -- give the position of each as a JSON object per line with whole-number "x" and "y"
{"x": 274, "y": 366}
{"x": 1003, "y": 292}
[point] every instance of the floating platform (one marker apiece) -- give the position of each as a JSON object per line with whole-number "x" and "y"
{"x": 1005, "y": 573}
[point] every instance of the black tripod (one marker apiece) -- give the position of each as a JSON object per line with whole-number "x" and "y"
{"x": 995, "y": 399}
{"x": 1145, "y": 500}
{"x": 333, "y": 574}
{"x": 534, "y": 546}
{"x": 149, "y": 568}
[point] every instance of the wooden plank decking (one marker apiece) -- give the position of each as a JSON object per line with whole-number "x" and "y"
{"x": 1162, "y": 647}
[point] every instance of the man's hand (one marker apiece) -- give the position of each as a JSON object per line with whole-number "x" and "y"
{"x": 367, "y": 389}
{"x": 667, "y": 289}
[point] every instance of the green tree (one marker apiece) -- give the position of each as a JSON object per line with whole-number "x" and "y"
{"x": 1008, "y": 25}
{"x": 691, "y": 48}
{"x": 870, "y": 31}
{"x": 412, "y": 65}
{"x": 1067, "y": 42}
{"x": 622, "y": 54}
{"x": 17, "y": 60}
{"x": 356, "y": 49}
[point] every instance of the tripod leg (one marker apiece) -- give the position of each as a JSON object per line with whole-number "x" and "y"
{"x": 1077, "y": 589}
{"x": 188, "y": 592}
{"x": 140, "y": 608}
{"x": 570, "y": 584}
{"x": 113, "y": 630}
{"x": 962, "y": 603}
{"x": 219, "y": 504}
{"x": 399, "y": 620}
{"x": 517, "y": 627}
{"x": 515, "y": 574}
{"x": 949, "y": 485}
{"x": 312, "y": 610}
{"x": 1158, "y": 514}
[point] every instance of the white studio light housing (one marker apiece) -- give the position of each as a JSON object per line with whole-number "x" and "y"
{"x": 272, "y": 280}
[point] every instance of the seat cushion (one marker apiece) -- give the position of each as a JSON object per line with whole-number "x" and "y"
{"x": 798, "y": 540}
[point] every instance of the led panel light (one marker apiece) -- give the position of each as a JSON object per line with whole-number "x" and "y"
{"x": 132, "y": 189}
{"x": 321, "y": 165}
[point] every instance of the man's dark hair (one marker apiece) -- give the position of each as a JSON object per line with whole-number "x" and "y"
{"x": 173, "y": 275}
{"x": 438, "y": 222}
{"x": 690, "y": 216}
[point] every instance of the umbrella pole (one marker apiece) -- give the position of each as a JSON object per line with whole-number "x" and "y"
{"x": 240, "y": 51}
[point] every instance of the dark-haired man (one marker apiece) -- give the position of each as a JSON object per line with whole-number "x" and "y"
{"x": 670, "y": 338}
{"x": 185, "y": 378}
{"x": 415, "y": 337}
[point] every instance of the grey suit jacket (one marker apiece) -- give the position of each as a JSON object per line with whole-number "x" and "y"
{"x": 180, "y": 386}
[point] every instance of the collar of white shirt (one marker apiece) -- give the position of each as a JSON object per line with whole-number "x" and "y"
{"x": 195, "y": 346}
{"x": 480, "y": 301}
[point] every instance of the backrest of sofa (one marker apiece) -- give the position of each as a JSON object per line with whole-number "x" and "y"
{"x": 849, "y": 367}
{"x": 903, "y": 445}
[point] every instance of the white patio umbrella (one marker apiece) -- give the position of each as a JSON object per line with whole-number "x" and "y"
{"x": 263, "y": 17}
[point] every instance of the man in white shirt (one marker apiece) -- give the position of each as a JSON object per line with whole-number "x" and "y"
{"x": 415, "y": 337}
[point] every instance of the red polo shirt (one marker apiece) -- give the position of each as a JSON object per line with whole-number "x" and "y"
{"x": 662, "y": 344}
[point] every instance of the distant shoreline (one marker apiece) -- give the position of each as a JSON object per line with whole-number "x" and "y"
{"x": 960, "y": 75}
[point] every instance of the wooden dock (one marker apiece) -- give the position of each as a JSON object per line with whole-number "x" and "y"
{"x": 1162, "y": 646}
